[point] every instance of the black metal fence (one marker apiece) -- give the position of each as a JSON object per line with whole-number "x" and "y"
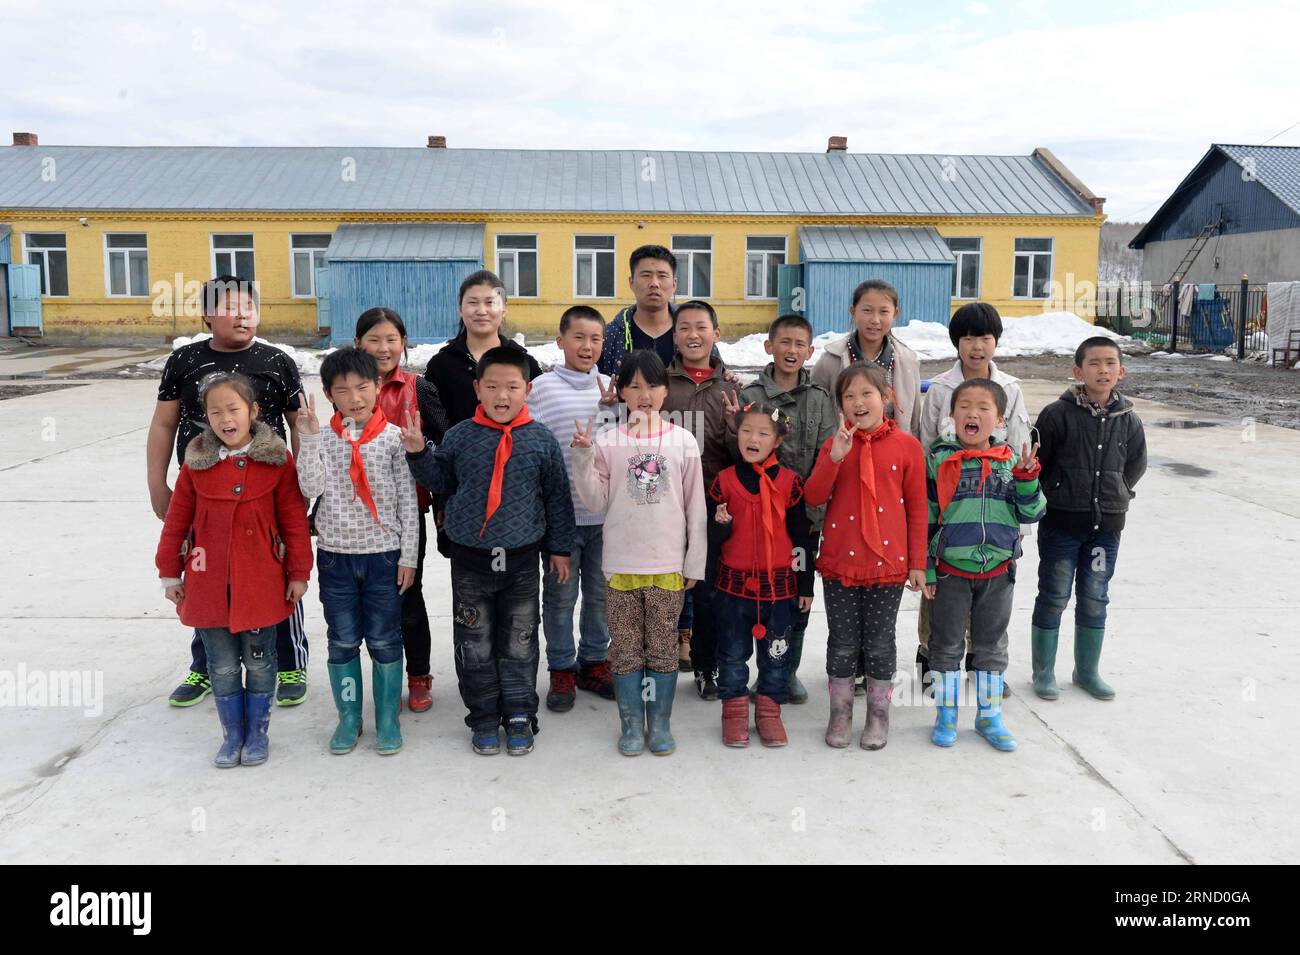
{"x": 1226, "y": 319}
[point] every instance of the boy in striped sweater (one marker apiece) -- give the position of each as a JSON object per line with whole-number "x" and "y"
{"x": 980, "y": 492}
{"x": 572, "y": 394}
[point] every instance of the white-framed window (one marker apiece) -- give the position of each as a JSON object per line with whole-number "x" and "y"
{"x": 517, "y": 264}
{"x": 232, "y": 254}
{"x": 126, "y": 264}
{"x": 763, "y": 253}
{"x": 966, "y": 269}
{"x": 593, "y": 266}
{"x": 1032, "y": 274}
{"x": 49, "y": 251}
{"x": 694, "y": 265}
{"x": 306, "y": 255}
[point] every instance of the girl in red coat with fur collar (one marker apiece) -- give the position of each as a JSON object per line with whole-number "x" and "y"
{"x": 235, "y": 556}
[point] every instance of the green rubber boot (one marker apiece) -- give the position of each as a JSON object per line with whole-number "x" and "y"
{"x": 631, "y": 712}
{"x": 388, "y": 703}
{"x": 1043, "y": 644}
{"x": 345, "y": 682}
{"x": 1087, "y": 653}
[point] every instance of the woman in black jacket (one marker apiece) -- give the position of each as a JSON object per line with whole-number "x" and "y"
{"x": 451, "y": 369}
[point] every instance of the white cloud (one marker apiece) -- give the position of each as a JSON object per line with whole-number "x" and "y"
{"x": 1129, "y": 106}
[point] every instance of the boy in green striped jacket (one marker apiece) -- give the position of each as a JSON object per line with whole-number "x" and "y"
{"x": 980, "y": 493}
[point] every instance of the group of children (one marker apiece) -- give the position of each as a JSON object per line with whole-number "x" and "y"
{"x": 690, "y": 515}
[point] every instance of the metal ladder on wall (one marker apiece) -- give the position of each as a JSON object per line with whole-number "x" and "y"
{"x": 1160, "y": 296}
{"x": 1195, "y": 249}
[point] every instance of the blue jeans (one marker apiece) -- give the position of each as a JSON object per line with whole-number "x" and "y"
{"x": 1084, "y": 560}
{"x": 361, "y": 602}
{"x": 226, "y": 652}
{"x": 290, "y": 644}
{"x": 734, "y": 619}
{"x": 558, "y": 601}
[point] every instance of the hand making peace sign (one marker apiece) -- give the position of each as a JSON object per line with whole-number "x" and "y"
{"x": 307, "y": 422}
{"x": 1028, "y": 457}
{"x": 412, "y": 436}
{"x": 581, "y": 436}
{"x": 730, "y": 405}
{"x": 843, "y": 442}
{"x": 608, "y": 396}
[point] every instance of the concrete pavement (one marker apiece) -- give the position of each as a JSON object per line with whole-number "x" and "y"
{"x": 1189, "y": 764}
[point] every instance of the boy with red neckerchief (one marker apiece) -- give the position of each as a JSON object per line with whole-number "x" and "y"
{"x": 758, "y": 595}
{"x": 509, "y": 502}
{"x": 367, "y": 526}
{"x": 980, "y": 492}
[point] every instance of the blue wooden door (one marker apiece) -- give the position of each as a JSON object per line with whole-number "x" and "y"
{"x": 323, "y": 324}
{"x": 24, "y": 298}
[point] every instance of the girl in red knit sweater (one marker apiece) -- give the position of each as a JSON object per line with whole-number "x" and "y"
{"x": 873, "y": 544}
{"x": 235, "y": 557}
{"x": 763, "y": 582}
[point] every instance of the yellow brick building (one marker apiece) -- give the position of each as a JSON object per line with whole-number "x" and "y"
{"x": 119, "y": 234}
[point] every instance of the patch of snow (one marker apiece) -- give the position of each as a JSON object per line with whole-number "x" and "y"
{"x": 1052, "y": 333}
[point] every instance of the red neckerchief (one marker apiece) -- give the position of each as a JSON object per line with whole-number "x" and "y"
{"x": 950, "y": 469}
{"x": 770, "y": 511}
{"x": 357, "y": 468}
{"x": 505, "y": 444}
{"x": 869, "y": 527}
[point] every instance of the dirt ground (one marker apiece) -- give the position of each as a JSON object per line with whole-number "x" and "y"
{"x": 1218, "y": 389}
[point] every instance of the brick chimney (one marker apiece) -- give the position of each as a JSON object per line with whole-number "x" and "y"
{"x": 25, "y": 139}
{"x": 437, "y": 142}
{"x": 837, "y": 144}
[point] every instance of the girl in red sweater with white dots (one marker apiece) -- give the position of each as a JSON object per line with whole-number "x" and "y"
{"x": 873, "y": 544}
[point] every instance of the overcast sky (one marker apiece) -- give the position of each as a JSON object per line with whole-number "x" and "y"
{"x": 1128, "y": 94}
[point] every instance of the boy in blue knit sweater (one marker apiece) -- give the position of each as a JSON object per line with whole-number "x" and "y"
{"x": 509, "y": 502}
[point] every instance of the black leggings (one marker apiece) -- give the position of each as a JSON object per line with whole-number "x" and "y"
{"x": 416, "y": 639}
{"x": 861, "y": 624}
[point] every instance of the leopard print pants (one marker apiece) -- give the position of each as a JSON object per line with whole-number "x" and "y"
{"x": 643, "y": 629}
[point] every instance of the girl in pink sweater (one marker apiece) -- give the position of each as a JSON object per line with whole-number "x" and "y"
{"x": 644, "y": 475}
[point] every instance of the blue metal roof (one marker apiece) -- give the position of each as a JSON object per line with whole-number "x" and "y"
{"x": 826, "y": 243}
{"x": 1276, "y": 168}
{"x": 407, "y": 241}
{"x": 343, "y": 180}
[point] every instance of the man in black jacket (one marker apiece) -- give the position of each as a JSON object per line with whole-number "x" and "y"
{"x": 1093, "y": 452}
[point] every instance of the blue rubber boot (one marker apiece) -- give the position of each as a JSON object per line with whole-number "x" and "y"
{"x": 345, "y": 682}
{"x": 988, "y": 720}
{"x": 659, "y": 712}
{"x": 388, "y": 678}
{"x": 1087, "y": 654}
{"x": 947, "y": 689}
{"x": 257, "y": 721}
{"x": 631, "y": 712}
{"x": 1043, "y": 646}
{"x": 230, "y": 710}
